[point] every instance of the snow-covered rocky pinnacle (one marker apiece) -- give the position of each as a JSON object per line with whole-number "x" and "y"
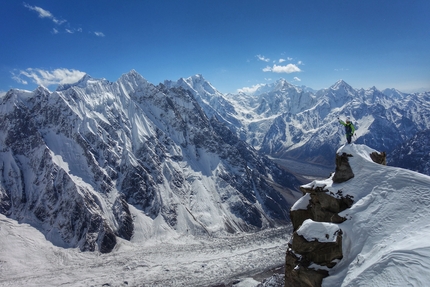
{"x": 96, "y": 161}
{"x": 381, "y": 232}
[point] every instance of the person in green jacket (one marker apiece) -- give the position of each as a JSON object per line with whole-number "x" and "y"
{"x": 349, "y": 129}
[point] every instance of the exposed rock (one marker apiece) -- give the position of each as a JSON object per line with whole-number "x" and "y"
{"x": 322, "y": 207}
{"x": 297, "y": 273}
{"x": 319, "y": 205}
{"x": 343, "y": 169}
{"x": 380, "y": 158}
{"x": 322, "y": 253}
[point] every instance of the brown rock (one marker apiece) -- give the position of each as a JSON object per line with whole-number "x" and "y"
{"x": 297, "y": 273}
{"x": 380, "y": 158}
{"x": 343, "y": 169}
{"x": 322, "y": 253}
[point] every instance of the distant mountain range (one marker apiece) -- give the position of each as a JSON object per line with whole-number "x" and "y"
{"x": 96, "y": 160}
{"x": 286, "y": 121}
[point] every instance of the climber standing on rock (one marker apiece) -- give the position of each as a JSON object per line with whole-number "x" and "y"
{"x": 349, "y": 128}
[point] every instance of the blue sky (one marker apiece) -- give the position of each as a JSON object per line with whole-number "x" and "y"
{"x": 234, "y": 44}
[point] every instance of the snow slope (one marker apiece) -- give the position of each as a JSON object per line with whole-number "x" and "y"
{"x": 385, "y": 236}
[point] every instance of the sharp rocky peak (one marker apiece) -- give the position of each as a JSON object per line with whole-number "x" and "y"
{"x": 341, "y": 84}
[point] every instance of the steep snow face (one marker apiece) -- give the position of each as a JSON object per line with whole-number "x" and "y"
{"x": 385, "y": 234}
{"x": 213, "y": 103}
{"x": 95, "y": 160}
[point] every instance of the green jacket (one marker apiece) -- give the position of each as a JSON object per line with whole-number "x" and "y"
{"x": 349, "y": 128}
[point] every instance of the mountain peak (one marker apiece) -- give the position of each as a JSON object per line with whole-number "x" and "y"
{"x": 197, "y": 83}
{"x": 132, "y": 76}
{"x": 341, "y": 84}
{"x": 82, "y": 82}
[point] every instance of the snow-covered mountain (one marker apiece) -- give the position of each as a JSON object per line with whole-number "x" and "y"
{"x": 383, "y": 232}
{"x": 96, "y": 161}
{"x": 413, "y": 154}
{"x": 283, "y": 120}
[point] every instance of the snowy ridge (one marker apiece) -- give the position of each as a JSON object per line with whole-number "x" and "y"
{"x": 385, "y": 234}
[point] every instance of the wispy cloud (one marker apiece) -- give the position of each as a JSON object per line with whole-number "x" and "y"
{"x": 290, "y": 68}
{"x": 250, "y": 90}
{"x": 44, "y": 13}
{"x": 48, "y": 78}
{"x": 297, "y": 79}
{"x": 282, "y": 60}
{"x": 262, "y": 58}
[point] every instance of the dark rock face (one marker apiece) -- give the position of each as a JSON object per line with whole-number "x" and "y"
{"x": 322, "y": 253}
{"x": 343, "y": 169}
{"x": 380, "y": 158}
{"x": 322, "y": 207}
{"x": 302, "y": 276}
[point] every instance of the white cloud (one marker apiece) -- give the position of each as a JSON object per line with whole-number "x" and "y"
{"x": 250, "y": 90}
{"x": 262, "y": 58}
{"x": 297, "y": 79}
{"x": 289, "y": 59}
{"x": 44, "y": 13}
{"x": 281, "y": 60}
{"x": 299, "y": 63}
{"x": 290, "y": 68}
{"x": 48, "y": 78}
{"x": 99, "y": 34}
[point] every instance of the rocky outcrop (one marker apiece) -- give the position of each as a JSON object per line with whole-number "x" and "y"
{"x": 308, "y": 260}
{"x": 343, "y": 169}
{"x": 322, "y": 206}
{"x": 380, "y": 158}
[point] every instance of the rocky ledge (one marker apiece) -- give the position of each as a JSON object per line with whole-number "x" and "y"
{"x": 316, "y": 244}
